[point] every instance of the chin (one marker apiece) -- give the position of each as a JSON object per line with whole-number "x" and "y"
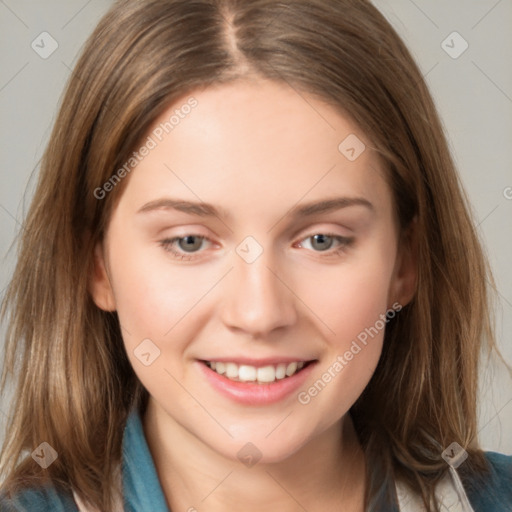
{"x": 255, "y": 446}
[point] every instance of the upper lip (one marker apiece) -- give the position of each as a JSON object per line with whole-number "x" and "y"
{"x": 257, "y": 363}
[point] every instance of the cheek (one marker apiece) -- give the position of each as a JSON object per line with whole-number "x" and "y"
{"x": 352, "y": 353}
{"x": 352, "y": 302}
{"x": 151, "y": 296}
{"x": 360, "y": 307}
{"x": 155, "y": 303}
{"x": 350, "y": 297}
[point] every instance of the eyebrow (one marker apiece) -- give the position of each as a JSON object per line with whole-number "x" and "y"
{"x": 202, "y": 209}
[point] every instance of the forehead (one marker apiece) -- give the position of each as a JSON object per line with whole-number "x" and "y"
{"x": 256, "y": 147}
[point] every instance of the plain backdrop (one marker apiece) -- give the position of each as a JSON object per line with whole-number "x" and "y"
{"x": 464, "y": 50}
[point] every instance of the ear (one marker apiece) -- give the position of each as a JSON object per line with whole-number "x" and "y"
{"x": 99, "y": 282}
{"x": 405, "y": 275}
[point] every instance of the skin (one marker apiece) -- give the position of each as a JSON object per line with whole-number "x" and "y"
{"x": 257, "y": 150}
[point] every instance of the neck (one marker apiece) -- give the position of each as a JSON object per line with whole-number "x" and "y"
{"x": 325, "y": 473}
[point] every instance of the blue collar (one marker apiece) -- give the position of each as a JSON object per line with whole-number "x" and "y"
{"x": 143, "y": 491}
{"x": 141, "y": 486}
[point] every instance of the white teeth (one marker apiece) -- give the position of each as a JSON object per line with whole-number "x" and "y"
{"x": 266, "y": 374}
{"x": 231, "y": 370}
{"x": 248, "y": 373}
{"x": 281, "y": 371}
{"x": 291, "y": 369}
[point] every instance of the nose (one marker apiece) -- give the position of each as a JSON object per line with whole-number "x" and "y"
{"x": 258, "y": 299}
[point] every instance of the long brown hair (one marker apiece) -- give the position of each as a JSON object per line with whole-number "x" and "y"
{"x": 74, "y": 383}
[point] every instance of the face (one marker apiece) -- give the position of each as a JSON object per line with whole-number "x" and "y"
{"x": 252, "y": 258}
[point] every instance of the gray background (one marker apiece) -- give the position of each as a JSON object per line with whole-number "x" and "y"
{"x": 473, "y": 93}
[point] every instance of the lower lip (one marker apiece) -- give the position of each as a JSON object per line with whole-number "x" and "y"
{"x": 250, "y": 393}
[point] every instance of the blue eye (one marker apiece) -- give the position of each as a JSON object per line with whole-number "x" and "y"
{"x": 186, "y": 247}
{"x": 324, "y": 241}
{"x": 189, "y": 246}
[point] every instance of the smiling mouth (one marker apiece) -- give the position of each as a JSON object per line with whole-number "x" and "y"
{"x": 259, "y": 375}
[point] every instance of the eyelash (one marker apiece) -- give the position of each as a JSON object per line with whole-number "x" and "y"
{"x": 345, "y": 242}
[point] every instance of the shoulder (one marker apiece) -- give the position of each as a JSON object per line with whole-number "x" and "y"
{"x": 41, "y": 499}
{"x": 501, "y": 472}
{"x": 495, "y": 491}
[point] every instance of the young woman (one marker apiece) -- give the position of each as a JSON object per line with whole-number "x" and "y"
{"x": 248, "y": 278}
